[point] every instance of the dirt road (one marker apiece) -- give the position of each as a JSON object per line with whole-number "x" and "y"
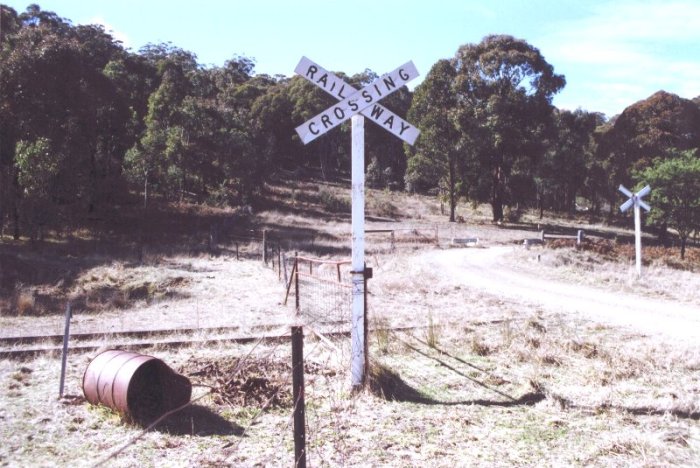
{"x": 487, "y": 270}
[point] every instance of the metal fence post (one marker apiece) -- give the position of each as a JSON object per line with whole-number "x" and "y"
{"x": 66, "y": 334}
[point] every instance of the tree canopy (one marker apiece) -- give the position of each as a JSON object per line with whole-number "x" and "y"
{"x": 85, "y": 123}
{"x": 675, "y": 195}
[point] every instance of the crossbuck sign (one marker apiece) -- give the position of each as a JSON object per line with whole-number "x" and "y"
{"x": 635, "y": 200}
{"x": 353, "y": 101}
{"x": 356, "y": 104}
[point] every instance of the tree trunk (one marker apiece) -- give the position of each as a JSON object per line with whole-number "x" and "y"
{"x": 15, "y": 213}
{"x": 15, "y": 205}
{"x": 611, "y": 209}
{"x": 92, "y": 195}
{"x": 570, "y": 201}
{"x": 684, "y": 239}
{"x": 452, "y": 189}
{"x": 663, "y": 235}
{"x": 145, "y": 190}
{"x": 497, "y": 195}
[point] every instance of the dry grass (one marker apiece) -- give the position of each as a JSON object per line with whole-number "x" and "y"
{"x": 606, "y": 265}
{"x": 597, "y": 404}
{"x": 505, "y": 384}
{"x": 481, "y": 379}
{"x": 26, "y": 301}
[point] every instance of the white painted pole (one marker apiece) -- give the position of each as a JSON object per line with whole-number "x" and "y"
{"x": 638, "y": 236}
{"x": 357, "y": 366}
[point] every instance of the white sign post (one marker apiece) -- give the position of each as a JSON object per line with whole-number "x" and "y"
{"x": 356, "y": 105}
{"x": 636, "y": 201}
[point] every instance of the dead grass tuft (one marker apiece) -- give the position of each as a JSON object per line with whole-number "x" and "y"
{"x": 433, "y": 332}
{"x": 382, "y": 333}
{"x": 25, "y": 303}
{"x": 479, "y": 347}
{"x": 588, "y": 350}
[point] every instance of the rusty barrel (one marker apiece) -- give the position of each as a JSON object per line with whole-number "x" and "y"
{"x": 141, "y": 388}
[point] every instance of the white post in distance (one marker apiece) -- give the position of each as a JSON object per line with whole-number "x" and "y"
{"x": 358, "y": 251}
{"x": 635, "y": 201}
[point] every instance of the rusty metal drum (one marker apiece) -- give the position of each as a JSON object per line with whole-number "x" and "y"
{"x": 139, "y": 387}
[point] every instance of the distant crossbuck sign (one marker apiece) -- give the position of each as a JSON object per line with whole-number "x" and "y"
{"x": 354, "y": 101}
{"x": 635, "y": 200}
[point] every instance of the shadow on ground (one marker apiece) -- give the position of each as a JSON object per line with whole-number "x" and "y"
{"x": 387, "y": 384}
{"x": 197, "y": 420}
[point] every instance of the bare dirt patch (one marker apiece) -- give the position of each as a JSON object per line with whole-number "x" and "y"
{"x": 242, "y": 382}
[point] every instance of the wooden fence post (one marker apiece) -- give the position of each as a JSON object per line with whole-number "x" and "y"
{"x": 279, "y": 262}
{"x": 296, "y": 284}
{"x": 298, "y": 395}
{"x": 289, "y": 283}
{"x": 264, "y": 247}
{"x": 284, "y": 266}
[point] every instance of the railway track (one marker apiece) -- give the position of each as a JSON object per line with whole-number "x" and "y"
{"x": 25, "y": 347}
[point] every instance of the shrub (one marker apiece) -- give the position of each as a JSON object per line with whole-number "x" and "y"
{"x": 333, "y": 203}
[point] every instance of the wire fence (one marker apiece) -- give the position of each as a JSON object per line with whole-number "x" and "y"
{"x": 387, "y": 239}
{"x": 322, "y": 291}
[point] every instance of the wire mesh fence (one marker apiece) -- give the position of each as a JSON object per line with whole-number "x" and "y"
{"x": 322, "y": 292}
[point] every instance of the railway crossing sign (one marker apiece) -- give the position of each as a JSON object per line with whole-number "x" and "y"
{"x": 635, "y": 200}
{"x": 356, "y": 104}
{"x": 353, "y": 101}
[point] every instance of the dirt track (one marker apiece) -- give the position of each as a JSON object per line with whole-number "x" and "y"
{"x": 486, "y": 270}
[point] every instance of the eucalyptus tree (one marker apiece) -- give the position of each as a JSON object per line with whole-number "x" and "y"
{"x": 384, "y": 148}
{"x": 434, "y": 161}
{"x": 504, "y": 90}
{"x": 649, "y": 128}
{"x": 307, "y": 101}
{"x": 9, "y": 25}
{"x": 158, "y": 158}
{"x": 54, "y": 88}
{"x": 274, "y": 128}
{"x": 563, "y": 171}
{"x": 675, "y": 195}
{"x": 645, "y": 131}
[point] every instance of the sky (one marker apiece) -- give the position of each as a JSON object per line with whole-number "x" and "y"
{"x": 613, "y": 53}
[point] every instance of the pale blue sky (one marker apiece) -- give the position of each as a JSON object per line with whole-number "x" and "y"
{"x": 613, "y": 53}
